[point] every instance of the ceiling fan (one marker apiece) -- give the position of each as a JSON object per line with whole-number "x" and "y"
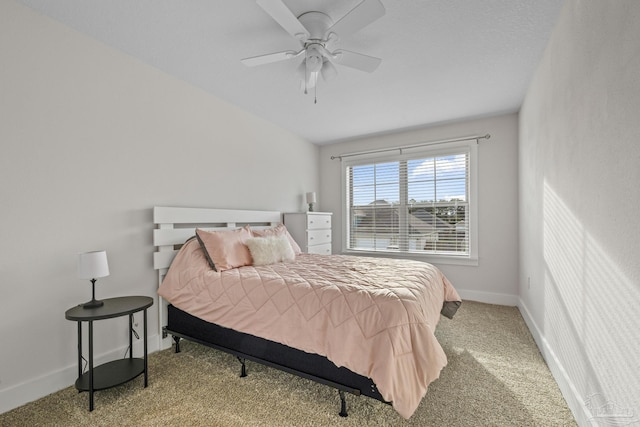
{"x": 317, "y": 32}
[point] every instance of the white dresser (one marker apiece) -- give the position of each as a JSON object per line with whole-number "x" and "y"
{"x": 311, "y": 230}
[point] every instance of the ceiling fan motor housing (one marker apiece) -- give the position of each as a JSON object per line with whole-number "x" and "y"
{"x": 317, "y": 23}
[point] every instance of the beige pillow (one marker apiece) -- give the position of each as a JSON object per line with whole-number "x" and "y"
{"x": 270, "y": 249}
{"x": 225, "y": 249}
{"x": 277, "y": 231}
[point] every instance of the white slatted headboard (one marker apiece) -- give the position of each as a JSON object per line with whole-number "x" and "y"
{"x": 175, "y": 225}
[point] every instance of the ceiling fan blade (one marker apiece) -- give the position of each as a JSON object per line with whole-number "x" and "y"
{"x": 269, "y": 58}
{"x": 359, "y": 17}
{"x": 283, "y": 16}
{"x": 356, "y": 60}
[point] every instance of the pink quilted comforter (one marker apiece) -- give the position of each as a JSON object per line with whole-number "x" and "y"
{"x": 375, "y": 316}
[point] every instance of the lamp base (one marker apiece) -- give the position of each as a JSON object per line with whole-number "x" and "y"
{"x": 310, "y": 207}
{"x": 94, "y": 303}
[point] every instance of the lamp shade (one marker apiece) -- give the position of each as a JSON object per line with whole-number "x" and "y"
{"x": 93, "y": 264}
{"x": 311, "y": 197}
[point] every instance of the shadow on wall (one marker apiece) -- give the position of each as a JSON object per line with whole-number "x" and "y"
{"x": 591, "y": 315}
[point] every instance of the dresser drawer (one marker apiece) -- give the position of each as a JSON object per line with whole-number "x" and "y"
{"x": 324, "y": 249}
{"x": 318, "y": 221}
{"x": 318, "y": 237}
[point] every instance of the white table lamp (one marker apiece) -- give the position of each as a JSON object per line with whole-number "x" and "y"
{"x": 90, "y": 266}
{"x": 311, "y": 199}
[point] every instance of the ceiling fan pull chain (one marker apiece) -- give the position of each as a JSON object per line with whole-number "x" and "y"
{"x": 315, "y": 93}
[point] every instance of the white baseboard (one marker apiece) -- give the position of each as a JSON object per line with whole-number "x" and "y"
{"x": 574, "y": 400}
{"x": 35, "y": 388}
{"x": 489, "y": 297}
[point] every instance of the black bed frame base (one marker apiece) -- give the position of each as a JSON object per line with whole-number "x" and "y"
{"x": 242, "y": 358}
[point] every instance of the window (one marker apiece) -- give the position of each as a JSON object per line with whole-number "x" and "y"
{"x": 420, "y": 202}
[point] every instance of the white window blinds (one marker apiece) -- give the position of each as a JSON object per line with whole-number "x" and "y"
{"x": 417, "y": 203}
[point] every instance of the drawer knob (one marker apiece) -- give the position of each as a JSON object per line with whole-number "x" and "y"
{"x": 310, "y": 238}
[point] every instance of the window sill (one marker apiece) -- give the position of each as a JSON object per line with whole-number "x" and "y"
{"x": 432, "y": 259}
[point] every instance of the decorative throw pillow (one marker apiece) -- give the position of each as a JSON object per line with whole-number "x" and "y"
{"x": 270, "y": 249}
{"x": 225, "y": 249}
{"x": 278, "y": 230}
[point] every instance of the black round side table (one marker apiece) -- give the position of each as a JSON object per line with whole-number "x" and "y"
{"x": 118, "y": 371}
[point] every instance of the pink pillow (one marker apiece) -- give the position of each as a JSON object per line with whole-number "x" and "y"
{"x": 225, "y": 249}
{"x": 278, "y": 230}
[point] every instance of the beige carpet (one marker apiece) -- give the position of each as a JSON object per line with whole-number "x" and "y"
{"x": 495, "y": 377}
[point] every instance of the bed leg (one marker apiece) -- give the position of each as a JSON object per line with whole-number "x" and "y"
{"x": 243, "y": 369}
{"x": 343, "y": 404}
{"x": 177, "y": 341}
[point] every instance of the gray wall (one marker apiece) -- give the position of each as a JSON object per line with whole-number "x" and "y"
{"x": 91, "y": 140}
{"x": 579, "y": 202}
{"x": 495, "y": 278}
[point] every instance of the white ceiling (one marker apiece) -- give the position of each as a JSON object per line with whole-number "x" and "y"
{"x": 442, "y": 60}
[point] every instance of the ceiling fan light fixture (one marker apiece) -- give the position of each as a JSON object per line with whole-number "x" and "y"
{"x": 307, "y": 78}
{"x": 301, "y": 70}
{"x": 328, "y": 70}
{"x": 314, "y": 59}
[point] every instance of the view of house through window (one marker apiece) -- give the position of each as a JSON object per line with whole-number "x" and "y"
{"x": 410, "y": 205}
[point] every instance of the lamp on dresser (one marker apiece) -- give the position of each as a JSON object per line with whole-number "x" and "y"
{"x": 92, "y": 265}
{"x": 311, "y": 199}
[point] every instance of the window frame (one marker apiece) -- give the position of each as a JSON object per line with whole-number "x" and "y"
{"x": 412, "y": 153}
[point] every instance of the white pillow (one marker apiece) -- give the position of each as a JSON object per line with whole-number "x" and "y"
{"x": 270, "y": 249}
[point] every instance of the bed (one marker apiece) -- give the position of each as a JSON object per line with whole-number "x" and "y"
{"x": 361, "y": 325}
